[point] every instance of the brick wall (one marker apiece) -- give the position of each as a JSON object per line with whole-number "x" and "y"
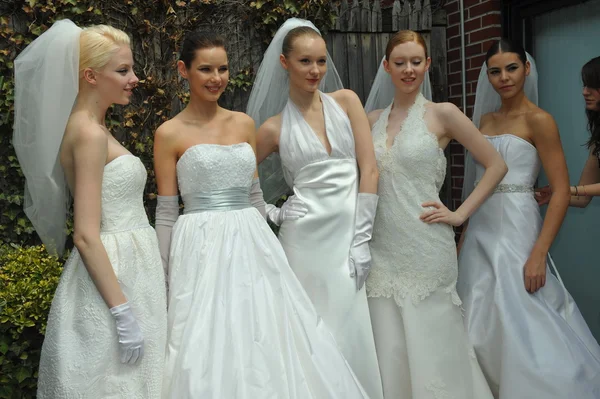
{"x": 482, "y": 26}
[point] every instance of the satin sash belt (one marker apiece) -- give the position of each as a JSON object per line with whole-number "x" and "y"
{"x": 228, "y": 199}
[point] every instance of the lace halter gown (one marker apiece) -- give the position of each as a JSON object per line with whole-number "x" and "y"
{"x": 318, "y": 245}
{"x": 421, "y": 341}
{"x": 240, "y": 324}
{"x": 529, "y": 345}
{"x": 80, "y": 355}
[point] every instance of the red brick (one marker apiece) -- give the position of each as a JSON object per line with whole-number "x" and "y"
{"x": 487, "y": 44}
{"x": 457, "y": 161}
{"x": 456, "y": 101}
{"x": 473, "y": 74}
{"x": 451, "y": 6}
{"x": 491, "y": 19}
{"x": 484, "y": 8}
{"x": 454, "y": 78}
{"x": 453, "y": 31}
{"x": 457, "y": 170}
{"x": 470, "y": 100}
{"x": 456, "y": 90}
{"x": 454, "y": 42}
{"x": 454, "y": 66}
{"x": 470, "y": 3}
{"x": 472, "y": 24}
{"x": 456, "y": 193}
{"x": 490, "y": 32}
{"x": 457, "y": 182}
{"x": 455, "y": 204}
{"x": 473, "y": 49}
{"x": 453, "y": 55}
{"x": 476, "y": 62}
{"x": 469, "y": 112}
{"x": 453, "y": 18}
{"x": 456, "y": 148}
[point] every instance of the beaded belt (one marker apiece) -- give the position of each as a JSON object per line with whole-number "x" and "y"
{"x": 511, "y": 188}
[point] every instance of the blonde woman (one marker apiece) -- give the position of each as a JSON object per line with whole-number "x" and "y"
{"x": 107, "y": 326}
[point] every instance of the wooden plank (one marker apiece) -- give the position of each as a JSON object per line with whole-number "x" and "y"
{"x": 439, "y": 18}
{"x": 382, "y": 41}
{"x": 427, "y": 37}
{"x": 426, "y": 15}
{"x": 414, "y": 15}
{"x": 344, "y": 16}
{"x": 365, "y": 16}
{"x": 437, "y": 71}
{"x": 340, "y": 56}
{"x": 355, "y": 67}
{"x": 396, "y": 14}
{"x": 336, "y": 11}
{"x": 354, "y": 25}
{"x": 404, "y": 15}
{"x": 370, "y": 61}
{"x": 376, "y": 17}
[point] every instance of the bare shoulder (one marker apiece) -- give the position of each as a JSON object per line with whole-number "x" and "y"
{"x": 541, "y": 123}
{"x": 345, "y": 97}
{"x": 373, "y": 116}
{"x": 443, "y": 110}
{"x": 243, "y": 119}
{"x": 486, "y": 118}
{"x": 80, "y": 131}
{"x": 272, "y": 126}
{"x": 168, "y": 130}
{"x": 538, "y": 116}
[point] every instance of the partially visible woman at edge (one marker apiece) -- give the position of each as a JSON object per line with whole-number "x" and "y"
{"x": 327, "y": 158}
{"x": 422, "y": 345}
{"x": 529, "y": 336}
{"x": 240, "y": 325}
{"x": 589, "y": 182}
{"x": 106, "y": 329}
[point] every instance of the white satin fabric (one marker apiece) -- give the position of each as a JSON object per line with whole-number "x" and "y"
{"x": 80, "y": 355}
{"x": 318, "y": 245}
{"x": 240, "y": 324}
{"x": 529, "y": 345}
{"x": 421, "y": 342}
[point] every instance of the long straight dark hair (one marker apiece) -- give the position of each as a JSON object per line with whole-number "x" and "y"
{"x": 590, "y": 75}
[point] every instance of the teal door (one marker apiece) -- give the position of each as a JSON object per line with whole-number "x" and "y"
{"x": 563, "y": 41}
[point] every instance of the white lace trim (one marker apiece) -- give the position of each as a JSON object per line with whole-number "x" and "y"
{"x": 382, "y": 283}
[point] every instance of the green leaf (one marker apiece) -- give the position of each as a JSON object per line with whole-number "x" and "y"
{"x": 22, "y": 373}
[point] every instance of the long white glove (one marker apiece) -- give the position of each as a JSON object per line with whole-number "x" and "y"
{"x": 131, "y": 340}
{"x": 256, "y": 197}
{"x": 167, "y": 212}
{"x": 292, "y": 209}
{"x": 360, "y": 255}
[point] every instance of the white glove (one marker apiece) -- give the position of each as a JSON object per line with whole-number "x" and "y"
{"x": 256, "y": 197}
{"x": 131, "y": 340}
{"x": 292, "y": 209}
{"x": 360, "y": 255}
{"x": 167, "y": 212}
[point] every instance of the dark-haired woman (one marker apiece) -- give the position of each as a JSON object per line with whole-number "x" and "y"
{"x": 589, "y": 182}
{"x": 240, "y": 325}
{"x": 529, "y": 336}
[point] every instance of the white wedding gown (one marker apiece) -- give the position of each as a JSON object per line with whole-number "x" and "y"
{"x": 318, "y": 245}
{"x": 240, "y": 324}
{"x": 529, "y": 345}
{"x": 421, "y": 341}
{"x": 80, "y": 355}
